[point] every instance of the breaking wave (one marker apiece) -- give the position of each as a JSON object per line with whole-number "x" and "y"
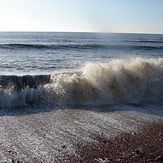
{"x": 125, "y": 80}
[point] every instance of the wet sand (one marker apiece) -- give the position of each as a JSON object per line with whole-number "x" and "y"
{"x": 65, "y": 134}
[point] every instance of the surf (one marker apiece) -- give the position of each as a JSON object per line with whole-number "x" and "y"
{"x": 119, "y": 80}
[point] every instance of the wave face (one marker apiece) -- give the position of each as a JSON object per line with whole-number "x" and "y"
{"x": 128, "y": 81}
{"x": 21, "y": 82}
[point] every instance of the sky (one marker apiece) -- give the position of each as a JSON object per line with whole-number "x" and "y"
{"x": 121, "y": 16}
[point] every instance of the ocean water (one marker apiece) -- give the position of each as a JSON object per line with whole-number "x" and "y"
{"x": 54, "y": 70}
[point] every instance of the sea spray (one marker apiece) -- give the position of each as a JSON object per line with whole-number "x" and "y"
{"x": 125, "y": 80}
{"x": 116, "y": 81}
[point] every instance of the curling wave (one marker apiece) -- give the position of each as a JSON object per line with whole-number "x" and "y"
{"x": 130, "y": 81}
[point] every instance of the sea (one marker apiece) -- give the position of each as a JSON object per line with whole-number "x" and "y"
{"x": 53, "y": 70}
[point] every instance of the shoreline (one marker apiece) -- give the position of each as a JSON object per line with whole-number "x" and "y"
{"x": 67, "y": 135}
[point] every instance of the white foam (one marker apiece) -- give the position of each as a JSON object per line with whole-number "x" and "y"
{"x": 118, "y": 80}
{"x": 131, "y": 80}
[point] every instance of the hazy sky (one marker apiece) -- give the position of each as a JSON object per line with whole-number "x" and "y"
{"x": 129, "y": 16}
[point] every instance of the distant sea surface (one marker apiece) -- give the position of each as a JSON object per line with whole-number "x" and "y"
{"x": 40, "y": 68}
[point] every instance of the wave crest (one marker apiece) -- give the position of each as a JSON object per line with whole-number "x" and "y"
{"x": 131, "y": 80}
{"x": 116, "y": 81}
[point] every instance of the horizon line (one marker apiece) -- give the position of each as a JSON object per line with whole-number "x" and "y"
{"x": 79, "y": 32}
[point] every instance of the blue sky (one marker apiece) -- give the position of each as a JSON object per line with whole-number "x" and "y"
{"x": 124, "y": 16}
